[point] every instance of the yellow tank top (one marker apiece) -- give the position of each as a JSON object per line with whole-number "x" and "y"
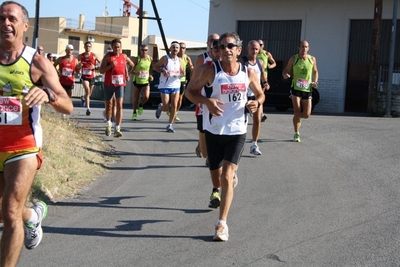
{"x": 19, "y": 124}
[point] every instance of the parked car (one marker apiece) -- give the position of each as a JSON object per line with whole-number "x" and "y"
{"x": 155, "y": 97}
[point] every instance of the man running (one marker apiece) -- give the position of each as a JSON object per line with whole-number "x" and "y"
{"x": 141, "y": 79}
{"x": 23, "y": 70}
{"x": 88, "y": 61}
{"x": 171, "y": 69}
{"x": 68, "y": 65}
{"x": 116, "y": 75}
{"x": 269, "y": 63}
{"x": 224, "y": 118}
{"x": 204, "y": 58}
{"x": 304, "y": 68}
{"x": 187, "y": 64}
{"x": 253, "y": 62}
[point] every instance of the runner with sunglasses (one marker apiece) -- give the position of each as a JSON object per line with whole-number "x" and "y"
{"x": 224, "y": 117}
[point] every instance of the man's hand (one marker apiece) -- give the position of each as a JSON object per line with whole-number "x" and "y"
{"x": 252, "y": 105}
{"x": 35, "y": 97}
{"x": 213, "y": 108}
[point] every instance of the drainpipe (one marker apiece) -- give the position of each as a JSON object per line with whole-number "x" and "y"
{"x": 391, "y": 59}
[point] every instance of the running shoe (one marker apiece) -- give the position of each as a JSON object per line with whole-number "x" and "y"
{"x": 140, "y": 110}
{"x": 215, "y": 200}
{"x": 134, "y": 116}
{"x": 198, "y": 150}
{"x": 235, "y": 179}
{"x": 221, "y": 233}
{"x": 117, "y": 132}
{"x": 34, "y": 232}
{"x": 263, "y": 117}
{"x": 108, "y": 130}
{"x": 168, "y": 112}
{"x": 82, "y": 101}
{"x": 177, "y": 119}
{"x": 255, "y": 150}
{"x": 296, "y": 137}
{"x": 88, "y": 112}
{"x": 170, "y": 129}
{"x": 158, "y": 111}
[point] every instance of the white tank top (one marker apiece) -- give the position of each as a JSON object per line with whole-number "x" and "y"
{"x": 207, "y": 60}
{"x": 232, "y": 91}
{"x": 174, "y": 70}
{"x": 255, "y": 67}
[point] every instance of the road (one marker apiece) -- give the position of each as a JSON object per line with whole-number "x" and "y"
{"x": 331, "y": 200}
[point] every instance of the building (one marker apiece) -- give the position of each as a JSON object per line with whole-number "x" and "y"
{"x": 339, "y": 33}
{"x": 56, "y": 32}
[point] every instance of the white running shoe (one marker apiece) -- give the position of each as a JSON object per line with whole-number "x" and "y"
{"x": 255, "y": 150}
{"x": 34, "y": 232}
{"x": 221, "y": 233}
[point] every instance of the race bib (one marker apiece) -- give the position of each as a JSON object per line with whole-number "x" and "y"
{"x": 67, "y": 72}
{"x": 174, "y": 74}
{"x": 10, "y": 111}
{"x": 234, "y": 92}
{"x": 301, "y": 83}
{"x": 117, "y": 79}
{"x": 143, "y": 74}
{"x": 86, "y": 71}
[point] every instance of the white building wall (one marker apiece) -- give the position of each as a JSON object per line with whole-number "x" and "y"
{"x": 325, "y": 25}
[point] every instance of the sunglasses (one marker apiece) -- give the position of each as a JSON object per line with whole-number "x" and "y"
{"x": 230, "y": 46}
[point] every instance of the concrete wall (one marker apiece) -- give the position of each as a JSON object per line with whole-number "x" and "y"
{"x": 325, "y": 25}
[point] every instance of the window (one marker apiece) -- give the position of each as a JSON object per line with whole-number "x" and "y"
{"x": 134, "y": 40}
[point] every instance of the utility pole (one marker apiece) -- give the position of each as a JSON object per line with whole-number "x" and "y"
{"x": 36, "y": 28}
{"x": 373, "y": 69}
{"x": 140, "y": 26}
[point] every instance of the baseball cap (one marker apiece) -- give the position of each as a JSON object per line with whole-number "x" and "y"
{"x": 69, "y": 46}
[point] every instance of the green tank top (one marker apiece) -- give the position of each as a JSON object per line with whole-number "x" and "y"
{"x": 184, "y": 63}
{"x": 264, "y": 57}
{"x": 302, "y": 73}
{"x": 143, "y": 67}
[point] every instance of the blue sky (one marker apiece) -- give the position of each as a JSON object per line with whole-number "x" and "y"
{"x": 183, "y": 19}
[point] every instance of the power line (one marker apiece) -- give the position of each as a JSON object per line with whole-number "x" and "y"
{"x": 198, "y": 5}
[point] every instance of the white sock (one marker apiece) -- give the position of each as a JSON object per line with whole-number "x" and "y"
{"x": 34, "y": 217}
{"x": 254, "y": 143}
{"x": 117, "y": 127}
{"x": 108, "y": 123}
{"x": 169, "y": 124}
{"x": 222, "y": 222}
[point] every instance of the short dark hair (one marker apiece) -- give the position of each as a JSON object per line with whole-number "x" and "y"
{"x": 234, "y": 35}
{"x": 116, "y": 41}
{"x": 86, "y": 43}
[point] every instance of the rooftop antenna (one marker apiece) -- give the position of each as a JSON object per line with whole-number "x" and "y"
{"x": 105, "y": 12}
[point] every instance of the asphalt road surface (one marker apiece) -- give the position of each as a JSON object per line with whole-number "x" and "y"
{"x": 331, "y": 200}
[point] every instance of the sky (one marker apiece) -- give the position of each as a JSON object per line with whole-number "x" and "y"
{"x": 182, "y": 19}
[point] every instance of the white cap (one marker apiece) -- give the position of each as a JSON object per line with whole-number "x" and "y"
{"x": 69, "y": 46}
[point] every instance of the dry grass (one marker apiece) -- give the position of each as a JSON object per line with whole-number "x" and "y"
{"x": 73, "y": 158}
